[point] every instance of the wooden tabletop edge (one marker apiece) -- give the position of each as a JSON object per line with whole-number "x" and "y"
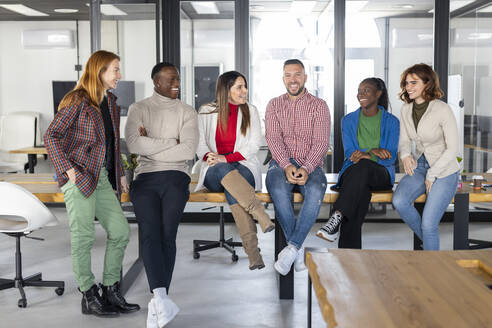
{"x": 326, "y": 308}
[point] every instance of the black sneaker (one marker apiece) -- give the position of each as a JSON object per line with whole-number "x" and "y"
{"x": 331, "y": 230}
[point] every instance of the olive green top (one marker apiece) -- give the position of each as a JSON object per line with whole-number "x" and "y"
{"x": 418, "y": 111}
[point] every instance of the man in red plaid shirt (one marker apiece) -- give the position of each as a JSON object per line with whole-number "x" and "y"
{"x": 298, "y": 135}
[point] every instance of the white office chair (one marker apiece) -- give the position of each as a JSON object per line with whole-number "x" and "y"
{"x": 20, "y": 214}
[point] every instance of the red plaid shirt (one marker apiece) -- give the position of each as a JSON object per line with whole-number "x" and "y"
{"x": 299, "y": 130}
{"x": 75, "y": 139}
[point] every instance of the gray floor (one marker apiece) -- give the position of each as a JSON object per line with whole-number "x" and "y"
{"x": 211, "y": 292}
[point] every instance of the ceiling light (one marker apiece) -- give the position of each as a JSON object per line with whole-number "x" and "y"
{"x": 110, "y": 10}
{"x": 425, "y": 36}
{"x": 205, "y": 7}
{"x": 403, "y": 6}
{"x": 479, "y": 36}
{"x": 65, "y": 11}
{"x": 24, "y": 10}
{"x": 256, "y": 7}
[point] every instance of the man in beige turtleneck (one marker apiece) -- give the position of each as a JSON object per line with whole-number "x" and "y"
{"x": 163, "y": 132}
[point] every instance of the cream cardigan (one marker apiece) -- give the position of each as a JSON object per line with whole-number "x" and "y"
{"x": 436, "y": 137}
{"x": 247, "y": 145}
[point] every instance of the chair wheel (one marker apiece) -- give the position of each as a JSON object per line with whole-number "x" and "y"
{"x": 235, "y": 258}
{"x": 22, "y": 303}
{"x": 259, "y": 249}
{"x": 196, "y": 255}
{"x": 59, "y": 291}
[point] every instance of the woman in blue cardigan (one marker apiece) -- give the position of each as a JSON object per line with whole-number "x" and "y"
{"x": 370, "y": 142}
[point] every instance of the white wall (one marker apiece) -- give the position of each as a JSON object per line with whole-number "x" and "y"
{"x": 401, "y": 58}
{"x": 137, "y": 52}
{"x": 26, "y": 74}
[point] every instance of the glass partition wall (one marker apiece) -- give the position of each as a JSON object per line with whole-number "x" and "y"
{"x": 382, "y": 39}
{"x": 290, "y": 29}
{"x": 207, "y": 48}
{"x": 132, "y": 35}
{"x": 470, "y": 69}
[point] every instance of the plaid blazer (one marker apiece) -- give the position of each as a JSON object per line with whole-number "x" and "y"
{"x": 75, "y": 139}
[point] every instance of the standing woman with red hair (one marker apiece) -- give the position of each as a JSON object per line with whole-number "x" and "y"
{"x": 83, "y": 143}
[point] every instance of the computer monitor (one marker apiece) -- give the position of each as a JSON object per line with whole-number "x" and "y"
{"x": 125, "y": 91}
{"x": 60, "y": 89}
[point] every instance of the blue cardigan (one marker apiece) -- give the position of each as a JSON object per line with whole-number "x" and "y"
{"x": 390, "y": 134}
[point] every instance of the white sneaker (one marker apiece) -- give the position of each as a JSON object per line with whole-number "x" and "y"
{"x": 151, "y": 316}
{"x": 285, "y": 259}
{"x": 299, "y": 262}
{"x": 165, "y": 309}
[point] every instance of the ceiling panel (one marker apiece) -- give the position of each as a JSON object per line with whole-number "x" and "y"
{"x": 136, "y": 11}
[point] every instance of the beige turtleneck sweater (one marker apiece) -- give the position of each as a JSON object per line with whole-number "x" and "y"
{"x": 172, "y": 134}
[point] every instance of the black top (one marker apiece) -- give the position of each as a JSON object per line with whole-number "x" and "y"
{"x": 109, "y": 133}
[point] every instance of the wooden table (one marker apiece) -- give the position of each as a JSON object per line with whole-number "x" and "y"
{"x": 32, "y": 153}
{"x": 369, "y": 288}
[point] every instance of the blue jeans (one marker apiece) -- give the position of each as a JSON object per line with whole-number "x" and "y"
{"x": 216, "y": 173}
{"x": 295, "y": 230}
{"x": 441, "y": 194}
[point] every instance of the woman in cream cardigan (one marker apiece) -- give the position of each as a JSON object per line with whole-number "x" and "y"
{"x": 428, "y": 149}
{"x": 230, "y": 136}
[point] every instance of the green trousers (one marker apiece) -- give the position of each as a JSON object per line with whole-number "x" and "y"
{"x": 104, "y": 205}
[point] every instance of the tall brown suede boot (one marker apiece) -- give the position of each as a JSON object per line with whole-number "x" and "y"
{"x": 247, "y": 231}
{"x": 245, "y": 195}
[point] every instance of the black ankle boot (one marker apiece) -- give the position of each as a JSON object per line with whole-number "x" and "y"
{"x": 92, "y": 303}
{"x": 111, "y": 296}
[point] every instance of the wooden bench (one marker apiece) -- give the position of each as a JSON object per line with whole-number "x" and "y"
{"x": 45, "y": 189}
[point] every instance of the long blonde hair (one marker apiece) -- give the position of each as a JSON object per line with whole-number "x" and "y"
{"x": 90, "y": 84}
{"x": 224, "y": 85}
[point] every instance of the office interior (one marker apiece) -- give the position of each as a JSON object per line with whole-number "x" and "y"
{"x": 341, "y": 42}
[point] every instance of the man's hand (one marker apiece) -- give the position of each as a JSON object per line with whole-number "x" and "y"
{"x": 142, "y": 132}
{"x": 428, "y": 185}
{"x": 381, "y": 153}
{"x": 358, "y": 155}
{"x": 71, "y": 175}
{"x": 124, "y": 184}
{"x": 301, "y": 176}
{"x": 409, "y": 165}
{"x": 290, "y": 173}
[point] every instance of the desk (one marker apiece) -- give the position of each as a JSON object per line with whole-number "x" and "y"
{"x": 32, "y": 153}
{"x": 369, "y": 288}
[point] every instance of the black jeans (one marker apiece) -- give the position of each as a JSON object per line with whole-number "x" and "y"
{"x": 159, "y": 199}
{"x": 357, "y": 183}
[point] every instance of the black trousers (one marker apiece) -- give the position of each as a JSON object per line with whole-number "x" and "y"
{"x": 357, "y": 183}
{"x": 159, "y": 199}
